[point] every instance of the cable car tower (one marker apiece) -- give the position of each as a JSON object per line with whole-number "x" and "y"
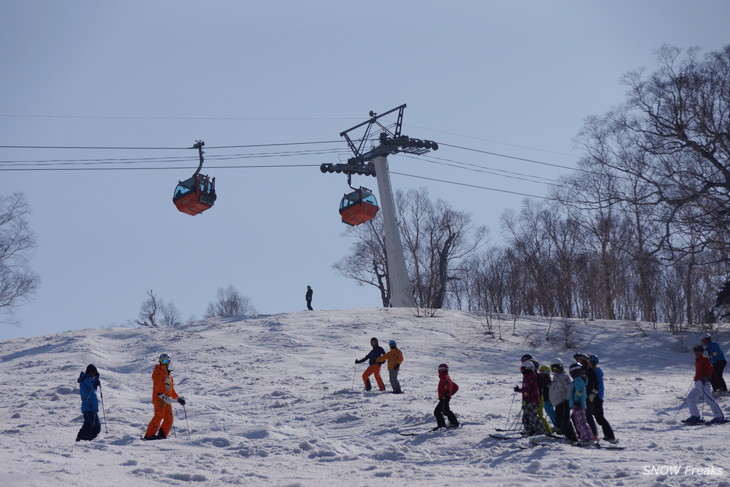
{"x": 374, "y": 162}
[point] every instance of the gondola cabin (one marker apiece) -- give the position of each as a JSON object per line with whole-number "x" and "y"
{"x": 195, "y": 195}
{"x": 358, "y": 207}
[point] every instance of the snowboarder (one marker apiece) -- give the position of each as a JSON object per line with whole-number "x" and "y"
{"x": 88, "y": 383}
{"x": 394, "y": 357}
{"x": 527, "y": 357}
{"x": 596, "y": 399}
{"x": 530, "y": 400}
{"x": 577, "y": 402}
{"x": 718, "y": 361}
{"x": 308, "y": 297}
{"x": 560, "y": 395}
{"x": 374, "y": 367}
{"x": 702, "y": 388}
{"x": 163, "y": 395}
{"x": 446, "y": 389}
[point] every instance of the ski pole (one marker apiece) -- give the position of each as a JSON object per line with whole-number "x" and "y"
{"x": 354, "y": 371}
{"x": 103, "y": 409}
{"x": 186, "y": 419}
{"x": 510, "y": 410}
{"x": 683, "y": 402}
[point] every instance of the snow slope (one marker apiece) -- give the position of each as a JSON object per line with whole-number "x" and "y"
{"x": 277, "y": 400}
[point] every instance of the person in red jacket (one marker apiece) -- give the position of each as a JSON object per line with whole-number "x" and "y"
{"x": 702, "y": 388}
{"x": 163, "y": 395}
{"x": 446, "y": 389}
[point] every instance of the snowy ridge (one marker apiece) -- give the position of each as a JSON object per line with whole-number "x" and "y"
{"x": 271, "y": 402}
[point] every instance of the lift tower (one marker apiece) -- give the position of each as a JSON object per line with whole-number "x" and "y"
{"x": 374, "y": 162}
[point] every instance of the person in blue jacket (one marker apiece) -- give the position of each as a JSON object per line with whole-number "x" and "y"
{"x": 88, "y": 383}
{"x": 596, "y": 397}
{"x": 718, "y": 361}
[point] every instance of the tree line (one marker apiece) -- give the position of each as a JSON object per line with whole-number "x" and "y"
{"x": 638, "y": 232}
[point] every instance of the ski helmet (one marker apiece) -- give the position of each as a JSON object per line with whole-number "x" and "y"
{"x": 593, "y": 359}
{"x": 699, "y": 348}
{"x": 707, "y": 337}
{"x": 164, "y": 359}
{"x": 545, "y": 369}
{"x": 527, "y": 365}
{"x": 392, "y": 343}
{"x": 556, "y": 363}
{"x": 443, "y": 368}
{"x": 580, "y": 356}
{"x": 526, "y": 356}
{"x": 576, "y": 369}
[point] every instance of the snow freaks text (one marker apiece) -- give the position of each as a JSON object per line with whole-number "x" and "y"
{"x": 681, "y": 470}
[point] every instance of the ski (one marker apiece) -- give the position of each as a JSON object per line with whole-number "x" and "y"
{"x": 432, "y": 430}
{"x": 597, "y": 446}
{"x": 702, "y": 422}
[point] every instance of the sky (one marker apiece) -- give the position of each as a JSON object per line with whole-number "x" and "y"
{"x": 509, "y": 79}
{"x": 268, "y": 405}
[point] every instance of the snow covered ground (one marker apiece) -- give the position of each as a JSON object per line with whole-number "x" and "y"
{"x": 277, "y": 400}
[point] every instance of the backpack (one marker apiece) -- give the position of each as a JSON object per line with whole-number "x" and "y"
{"x": 454, "y": 387}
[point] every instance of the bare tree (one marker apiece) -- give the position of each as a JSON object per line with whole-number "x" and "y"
{"x": 230, "y": 303}
{"x": 148, "y": 311}
{"x": 18, "y": 283}
{"x": 170, "y": 314}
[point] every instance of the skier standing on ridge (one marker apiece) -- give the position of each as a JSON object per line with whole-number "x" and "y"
{"x": 394, "y": 357}
{"x": 163, "y": 395}
{"x": 308, "y": 297}
{"x": 374, "y": 367}
{"x": 88, "y": 383}
{"x": 530, "y": 400}
{"x": 446, "y": 389}
{"x": 702, "y": 388}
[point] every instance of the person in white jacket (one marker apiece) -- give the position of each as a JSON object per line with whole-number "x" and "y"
{"x": 559, "y": 395}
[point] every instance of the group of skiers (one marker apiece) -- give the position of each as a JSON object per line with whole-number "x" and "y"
{"x": 573, "y": 400}
{"x": 163, "y": 396}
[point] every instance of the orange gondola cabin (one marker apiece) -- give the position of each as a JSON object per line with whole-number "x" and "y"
{"x": 195, "y": 195}
{"x": 358, "y": 207}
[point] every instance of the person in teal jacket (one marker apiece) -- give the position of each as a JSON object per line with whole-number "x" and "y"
{"x": 88, "y": 383}
{"x": 718, "y": 361}
{"x": 577, "y": 402}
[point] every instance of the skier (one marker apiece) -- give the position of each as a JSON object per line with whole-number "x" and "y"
{"x": 374, "y": 367}
{"x": 543, "y": 385}
{"x": 394, "y": 357}
{"x": 577, "y": 402}
{"x": 163, "y": 395}
{"x": 308, "y": 297}
{"x": 446, "y": 389}
{"x": 702, "y": 388}
{"x": 88, "y": 383}
{"x": 560, "y": 395}
{"x": 527, "y": 357}
{"x": 530, "y": 400}
{"x": 591, "y": 390}
{"x": 596, "y": 399}
{"x": 718, "y": 361}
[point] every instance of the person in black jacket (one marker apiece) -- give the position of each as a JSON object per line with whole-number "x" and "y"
{"x": 374, "y": 367}
{"x": 308, "y": 297}
{"x": 591, "y": 390}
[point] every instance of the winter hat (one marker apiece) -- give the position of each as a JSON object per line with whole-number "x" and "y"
{"x": 392, "y": 343}
{"x": 699, "y": 348}
{"x": 373, "y": 339}
{"x": 91, "y": 370}
{"x": 576, "y": 369}
{"x": 443, "y": 368}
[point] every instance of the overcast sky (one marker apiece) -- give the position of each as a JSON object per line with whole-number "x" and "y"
{"x": 511, "y": 78}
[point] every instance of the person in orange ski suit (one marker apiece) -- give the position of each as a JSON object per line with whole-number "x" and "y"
{"x": 374, "y": 367}
{"x": 394, "y": 357}
{"x": 163, "y": 395}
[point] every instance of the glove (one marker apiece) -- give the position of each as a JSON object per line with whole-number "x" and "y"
{"x": 524, "y": 403}
{"x": 358, "y": 361}
{"x": 165, "y": 398}
{"x": 517, "y": 389}
{"x": 97, "y": 382}
{"x": 181, "y": 400}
